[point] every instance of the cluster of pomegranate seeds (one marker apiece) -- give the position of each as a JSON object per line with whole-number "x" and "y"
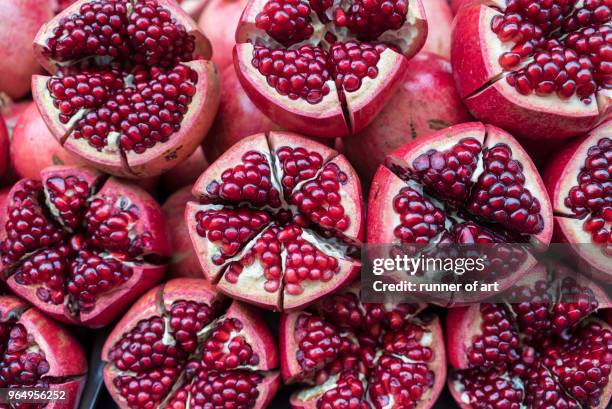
{"x": 126, "y": 87}
{"x": 69, "y": 242}
{"x": 358, "y": 360}
{"x": 484, "y": 390}
{"x": 190, "y": 353}
{"x": 304, "y": 72}
{"x": 283, "y": 219}
{"x": 22, "y": 363}
{"x": 591, "y": 199}
{"x": 420, "y": 220}
{"x": 563, "y": 47}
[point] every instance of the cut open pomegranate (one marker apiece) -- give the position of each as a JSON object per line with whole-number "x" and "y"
{"x": 467, "y": 184}
{"x": 544, "y": 351}
{"x": 537, "y": 68}
{"x": 131, "y": 88}
{"x": 182, "y": 346}
{"x": 36, "y": 352}
{"x": 579, "y": 181}
{"x": 326, "y": 68}
{"x": 362, "y": 356}
{"x": 277, "y": 220}
{"x": 81, "y": 247}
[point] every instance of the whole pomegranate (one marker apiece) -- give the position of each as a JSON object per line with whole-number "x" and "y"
{"x": 439, "y": 21}
{"x": 579, "y": 182}
{"x": 185, "y": 173}
{"x": 38, "y": 353}
{"x": 277, "y": 220}
{"x": 81, "y": 247}
{"x": 543, "y": 351}
{"x": 182, "y": 346}
{"x": 325, "y": 68}
{"x": 11, "y": 112}
{"x": 131, "y": 89}
{"x": 34, "y": 148}
{"x": 184, "y": 262}
{"x": 356, "y": 355}
{"x": 539, "y": 68}
{"x": 467, "y": 184}
{"x": 426, "y": 101}
{"x": 221, "y": 36}
{"x": 19, "y": 22}
{"x": 237, "y": 118}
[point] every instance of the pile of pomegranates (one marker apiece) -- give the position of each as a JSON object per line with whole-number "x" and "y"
{"x": 190, "y": 192}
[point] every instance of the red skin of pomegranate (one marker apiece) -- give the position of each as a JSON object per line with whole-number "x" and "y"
{"x": 439, "y": 21}
{"x": 425, "y": 102}
{"x": 241, "y": 228}
{"x": 186, "y": 173}
{"x": 308, "y": 97}
{"x": 340, "y": 319}
{"x": 32, "y": 135}
{"x": 253, "y": 348}
{"x": 49, "y": 346}
{"x": 237, "y": 118}
{"x": 561, "y": 176}
{"x": 19, "y": 22}
{"x": 221, "y": 36}
{"x": 475, "y": 329}
{"x": 155, "y": 131}
{"x": 402, "y": 213}
{"x": 184, "y": 262}
{"x": 115, "y": 254}
{"x": 483, "y": 69}
{"x": 455, "y": 4}
{"x": 12, "y": 111}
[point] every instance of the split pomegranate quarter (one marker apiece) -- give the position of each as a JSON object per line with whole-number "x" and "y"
{"x": 183, "y": 346}
{"x": 278, "y": 221}
{"x": 467, "y": 184}
{"x": 579, "y": 181}
{"x": 538, "y": 68}
{"x": 81, "y": 247}
{"x": 38, "y": 353}
{"x": 326, "y": 68}
{"x": 546, "y": 350}
{"x": 362, "y": 356}
{"x": 131, "y": 90}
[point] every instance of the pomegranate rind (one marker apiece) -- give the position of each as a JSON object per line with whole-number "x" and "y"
{"x": 465, "y": 321}
{"x": 290, "y": 368}
{"x": 481, "y": 83}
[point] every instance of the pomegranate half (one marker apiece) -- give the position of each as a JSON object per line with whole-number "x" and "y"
{"x": 131, "y": 90}
{"x": 539, "y": 69}
{"x": 38, "y": 353}
{"x": 579, "y": 181}
{"x": 355, "y": 355}
{"x": 545, "y": 350}
{"x": 183, "y": 346}
{"x": 277, "y": 221}
{"x": 81, "y": 247}
{"x": 326, "y": 68}
{"x": 468, "y": 184}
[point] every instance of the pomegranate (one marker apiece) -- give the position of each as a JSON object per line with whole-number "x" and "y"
{"x": 11, "y": 111}
{"x": 34, "y": 148}
{"x": 439, "y": 20}
{"x": 19, "y": 22}
{"x": 131, "y": 90}
{"x": 221, "y": 36}
{"x": 182, "y": 346}
{"x": 81, "y": 247}
{"x": 357, "y": 355}
{"x": 542, "y": 351}
{"x": 324, "y": 68}
{"x": 539, "y": 69}
{"x": 467, "y": 184}
{"x": 278, "y": 220}
{"x": 186, "y": 173}
{"x": 37, "y": 352}
{"x": 426, "y": 101}
{"x": 184, "y": 262}
{"x": 237, "y": 118}
{"x": 579, "y": 183}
